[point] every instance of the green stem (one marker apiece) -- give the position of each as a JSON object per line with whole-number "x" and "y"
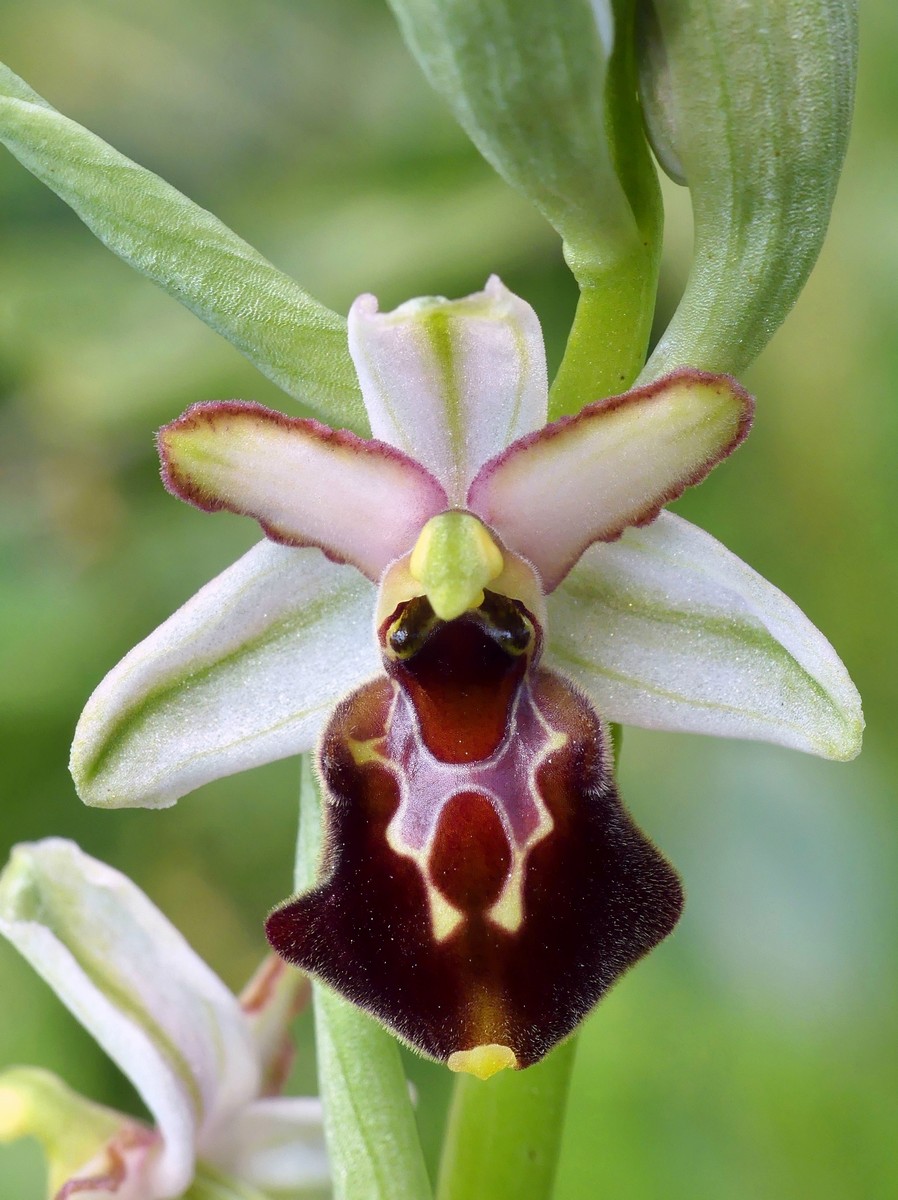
{"x": 618, "y": 281}
{"x": 607, "y": 345}
{"x": 504, "y": 1134}
{"x": 369, "y": 1124}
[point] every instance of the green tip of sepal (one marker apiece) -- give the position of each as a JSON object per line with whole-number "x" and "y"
{"x": 70, "y": 1129}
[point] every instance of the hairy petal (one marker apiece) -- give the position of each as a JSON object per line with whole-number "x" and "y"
{"x": 359, "y": 501}
{"x": 246, "y": 672}
{"x": 451, "y": 382}
{"x": 481, "y": 885}
{"x": 92, "y": 1152}
{"x": 668, "y": 630}
{"x": 585, "y": 479}
{"x": 271, "y": 1001}
{"x": 135, "y": 984}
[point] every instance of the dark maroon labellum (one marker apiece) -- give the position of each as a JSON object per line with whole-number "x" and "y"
{"x": 481, "y": 884}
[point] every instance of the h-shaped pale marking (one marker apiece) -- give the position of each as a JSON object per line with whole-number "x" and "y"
{"x": 426, "y": 785}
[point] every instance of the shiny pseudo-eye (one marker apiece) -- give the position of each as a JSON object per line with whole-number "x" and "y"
{"x": 477, "y": 863}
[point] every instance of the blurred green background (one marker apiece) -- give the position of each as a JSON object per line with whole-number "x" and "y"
{"x": 753, "y": 1057}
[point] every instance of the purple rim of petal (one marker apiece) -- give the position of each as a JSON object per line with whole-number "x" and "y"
{"x": 134, "y": 1137}
{"x": 205, "y": 413}
{"x": 609, "y": 405}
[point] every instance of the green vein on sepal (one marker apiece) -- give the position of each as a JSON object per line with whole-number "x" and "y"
{"x": 87, "y": 769}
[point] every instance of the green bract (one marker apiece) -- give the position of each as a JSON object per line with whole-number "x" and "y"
{"x": 291, "y": 338}
{"x": 749, "y": 104}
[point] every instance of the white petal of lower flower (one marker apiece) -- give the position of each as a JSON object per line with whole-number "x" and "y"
{"x": 451, "y": 382}
{"x": 245, "y": 673}
{"x": 129, "y": 977}
{"x": 668, "y": 630}
{"x": 276, "y": 1144}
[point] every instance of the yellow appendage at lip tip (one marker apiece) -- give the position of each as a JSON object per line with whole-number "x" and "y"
{"x": 482, "y": 1061}
{"x": 454, "y": 559}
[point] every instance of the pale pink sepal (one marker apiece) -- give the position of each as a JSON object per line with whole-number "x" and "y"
{"x": 245, "y": 673}
{"x": 361, "y": 502}
{"x": 451, "y": 382}
{"x": 615, "y": 464}
{"x": 275, "y": 1144}
{"x": 129, "y": 977}
{"x": 669, "y": 630}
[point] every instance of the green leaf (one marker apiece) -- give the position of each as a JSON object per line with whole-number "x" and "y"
{"x": 289, "y": 336}
{"x": 369, "y": 1124}
{"x": 547, "y": 94}
{"x": 750, "y": 104}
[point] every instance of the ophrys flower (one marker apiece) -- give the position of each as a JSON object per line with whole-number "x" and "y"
{"x": 481, "y": 884}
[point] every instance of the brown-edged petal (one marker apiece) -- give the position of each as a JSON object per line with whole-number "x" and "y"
{"x": 586, "y": 478}
{"x": 361, "y": 502}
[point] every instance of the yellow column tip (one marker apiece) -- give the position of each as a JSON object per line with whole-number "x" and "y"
{"x": 454, "y": 559}
{"x": 482, "y": 1061}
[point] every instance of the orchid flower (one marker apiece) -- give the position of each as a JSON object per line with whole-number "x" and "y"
{"x": 453, "y": 611}
{"x": 208, "y": 1066}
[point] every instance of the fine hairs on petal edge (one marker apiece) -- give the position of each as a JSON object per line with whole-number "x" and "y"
{"x": 483, "y": 497}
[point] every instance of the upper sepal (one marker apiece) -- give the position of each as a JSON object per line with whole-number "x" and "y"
{"x": 451, "y": 382}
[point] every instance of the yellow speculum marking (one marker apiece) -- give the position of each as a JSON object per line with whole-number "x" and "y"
{"x": 454, "y": 559}
{"x": 482, "y": 1061}
{"x": 370, "y": 751}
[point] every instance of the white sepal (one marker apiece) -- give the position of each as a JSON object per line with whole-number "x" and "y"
{"x": 451, "y": 382}
{"x": 667, "y": 629}
{"x": 245, "y": 673}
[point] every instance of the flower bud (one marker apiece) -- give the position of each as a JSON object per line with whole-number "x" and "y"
{"x": 749, "y": 104}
